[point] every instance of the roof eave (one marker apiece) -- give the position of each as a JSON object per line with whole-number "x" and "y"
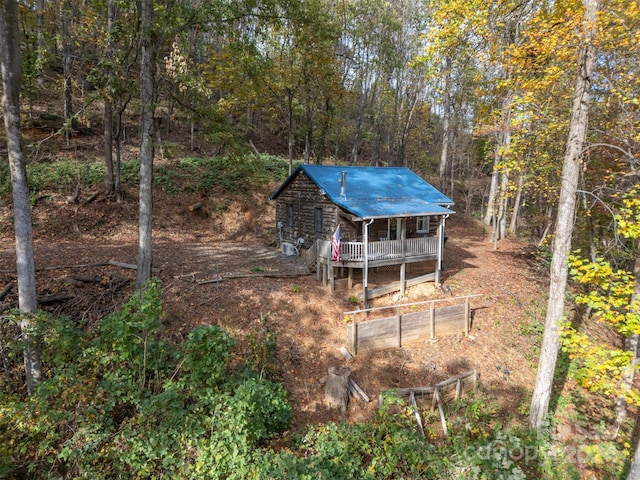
{"x": 286, "y": 183}
{"x": 358, "y": 216}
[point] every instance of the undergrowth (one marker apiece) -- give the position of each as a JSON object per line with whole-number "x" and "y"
{"x": 122, "y": 401}
{"x": 190, "y": 174}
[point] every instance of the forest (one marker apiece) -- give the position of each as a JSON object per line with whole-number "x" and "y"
{"x": 526, "y": 113}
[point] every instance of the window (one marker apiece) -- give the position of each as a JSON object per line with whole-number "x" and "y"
{"x": 289, "y": 214}
{"x": 393, "y": 228}
{"x": 317, "y": 219}
{"x": 422, "y": 224}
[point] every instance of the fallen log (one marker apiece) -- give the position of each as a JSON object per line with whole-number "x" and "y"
{"x": 252, "y": 275}
{"x": 58, "y": 297}
{"x": 94, "y": 195}
{"x": 80, "y": 279}
{"x": 196, "y": 206}
{"x": 63, "y": 267}
{"x": 213, "y": 280}
{"x": 113, "y": 263}
{"x": 130, "y": 266}
{"x": 88, "y": 278}
{"x": 355, "y": 390}
{"x": 5, "y": 290}
{"x": 345, "y": 353}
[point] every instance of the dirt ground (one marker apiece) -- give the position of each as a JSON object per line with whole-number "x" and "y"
{"x": 74, "y": 243}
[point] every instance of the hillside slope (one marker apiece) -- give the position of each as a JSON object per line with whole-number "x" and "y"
{"x": 75, "y": 243}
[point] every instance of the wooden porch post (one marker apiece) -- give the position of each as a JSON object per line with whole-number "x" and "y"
{"x": 403, "y": 265}
{"x": 440, "y": 248}
{"x": 331, "y": 275}
{"x": 365, "y": 270}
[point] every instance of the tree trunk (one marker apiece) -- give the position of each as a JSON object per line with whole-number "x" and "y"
{"x": 634, "y": 471}
{"x": 11, "y": 80}
{"x": 505, "y": 147}
{"x": 513, "y": 227}
{"x": 146, "y": 148}
{"x": 500, "y": 228}
{"x": 496, "y": 208}
{"x": 40, "y": 41}
{"x": 118, "y": 144}
{"x": 290, "y": 133}
{"x": 632, "y": 342}
{"x": 402, "y": 144}
{"x": 547, "y": 226}
{"x": 108, "y": 111}
{"x": 564, "y": 221}
{"x": 493, "y": 192}
{"x": 67, "y": 66}
{"x": 108, "y": 148}
{"x": 308, "y": 138}
{"x": 446, "y": 114}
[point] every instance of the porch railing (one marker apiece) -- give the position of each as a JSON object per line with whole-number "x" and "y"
{"x": 354, "y": 251}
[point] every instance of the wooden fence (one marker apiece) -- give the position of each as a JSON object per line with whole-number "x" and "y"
{"x": 414, "y": 326}
{"x": 448, "y": 390}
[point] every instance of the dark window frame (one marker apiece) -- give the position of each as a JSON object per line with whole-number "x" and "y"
{"x": 289, "y": 214}
{"x": 317, "y": 220}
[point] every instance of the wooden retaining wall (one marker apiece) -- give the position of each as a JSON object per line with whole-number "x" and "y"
{"x": 414, "y": 326}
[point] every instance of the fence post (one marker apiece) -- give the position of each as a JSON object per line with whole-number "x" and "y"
{"x": 355, "y": 337}
{"x": 399, "y": 327}
{"x": 432, "y": 321}
{"x": 467, "y": 316}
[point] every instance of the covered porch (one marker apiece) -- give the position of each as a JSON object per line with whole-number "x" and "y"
{"x": 385, "y": 252}
{"x": 363, "y": 254}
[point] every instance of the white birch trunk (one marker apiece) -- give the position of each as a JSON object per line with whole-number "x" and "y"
{"x": 564, "y": 221}
{"x": 446, "y": 114}
{"x": 493, "y": 192}
{"x": 513, "y": 226}
{"x": 146, "y": 149}
{"x": 11, "y": 80}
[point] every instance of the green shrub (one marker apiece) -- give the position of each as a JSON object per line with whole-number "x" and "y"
{"x": 263, "y": 406}
{"x": 262, "y": 343}
{"x": 206, "y": 357}
{"x": 189, "y": 414}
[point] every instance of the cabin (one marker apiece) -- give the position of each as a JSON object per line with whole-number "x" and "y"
{"x": 346, "y": 218}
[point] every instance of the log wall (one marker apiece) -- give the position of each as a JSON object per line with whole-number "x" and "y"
{"x": 305, "y": 197}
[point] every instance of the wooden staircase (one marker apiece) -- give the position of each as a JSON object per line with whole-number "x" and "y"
{"x": 311, "y": 257}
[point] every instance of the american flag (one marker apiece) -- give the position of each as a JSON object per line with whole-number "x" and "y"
{"x": 335, "y": 244}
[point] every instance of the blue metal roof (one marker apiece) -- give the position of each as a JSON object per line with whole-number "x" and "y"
{"x": 376, "y": 192}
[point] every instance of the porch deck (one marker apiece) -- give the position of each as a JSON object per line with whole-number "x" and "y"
{"x": 386, "y": 252}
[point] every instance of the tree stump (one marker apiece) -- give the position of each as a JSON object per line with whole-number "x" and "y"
{"x": 336, "y": 390}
